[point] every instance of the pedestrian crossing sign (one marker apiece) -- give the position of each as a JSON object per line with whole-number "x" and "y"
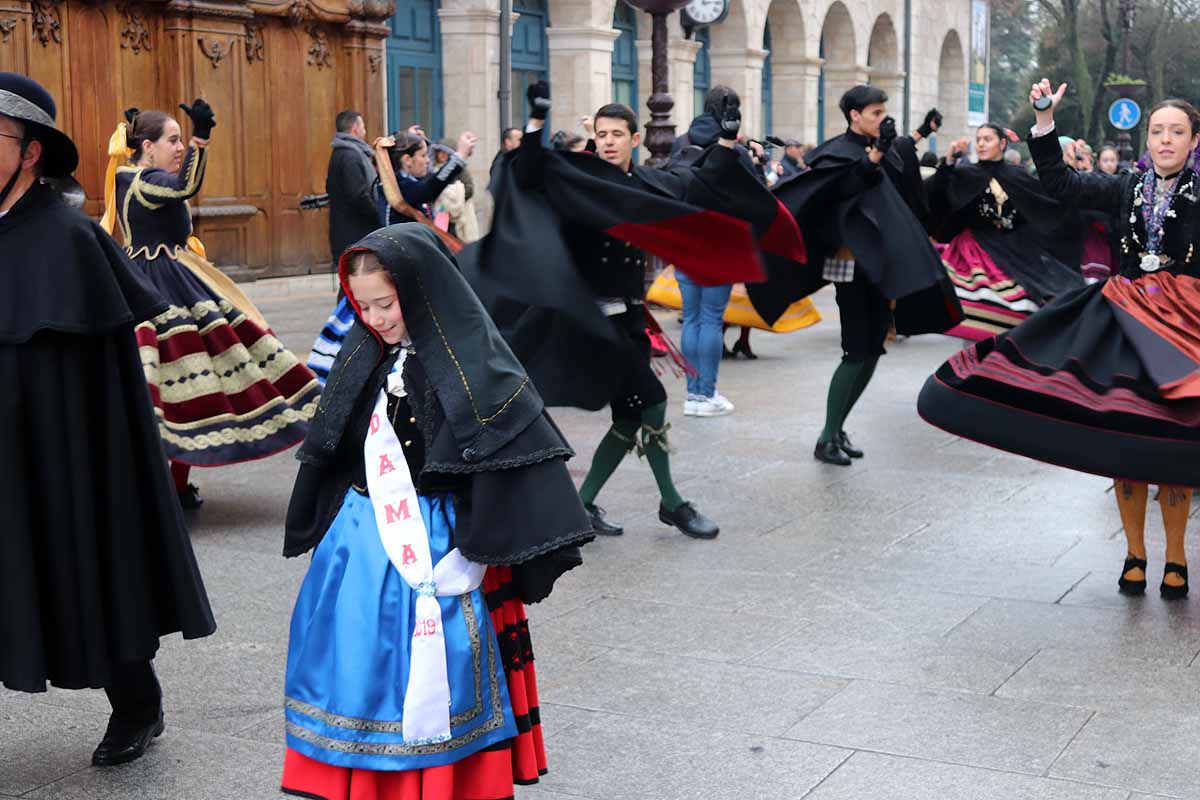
{"x": 1124, "y": 114}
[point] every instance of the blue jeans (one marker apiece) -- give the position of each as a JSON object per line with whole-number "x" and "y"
{"x": 703, "y": 308}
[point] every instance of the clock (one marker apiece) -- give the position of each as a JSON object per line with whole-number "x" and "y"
{"x": 702, "y": 13}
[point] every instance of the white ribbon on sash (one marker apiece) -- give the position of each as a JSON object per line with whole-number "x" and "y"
{"x": 406, "y": 541}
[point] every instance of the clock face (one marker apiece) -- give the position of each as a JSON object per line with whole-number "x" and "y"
{"x": 705, "y": 12}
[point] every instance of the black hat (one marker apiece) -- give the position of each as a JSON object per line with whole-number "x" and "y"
{"x": 24, "y": 99}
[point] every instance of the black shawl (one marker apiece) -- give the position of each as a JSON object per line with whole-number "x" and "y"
{"x": 844, "y": 199}
{"x": 488, "y": 440}
{"x": 1057, "y": 227}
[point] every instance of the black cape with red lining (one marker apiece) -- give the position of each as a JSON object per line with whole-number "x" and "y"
{"x": 879, "y": 221}
{"x": 712, "y": 219}
{"x": 95, "y": 561}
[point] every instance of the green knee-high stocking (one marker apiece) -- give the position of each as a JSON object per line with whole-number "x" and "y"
{"x": 841, "y": 396}
{"x": 860, "y": 383}
{"x": 655, "y": 448}
{"x": 619, "y": 440}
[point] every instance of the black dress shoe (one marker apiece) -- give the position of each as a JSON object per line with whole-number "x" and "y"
{"x": 190, "y": 498}
{"x": 1166, "y": 590}
{"x": 689, "y": 521}
{"x": 599, "y": 524}
{"x": 847, "y": 447}
{"x": 125, "y": 741}
{"x": 831, "y": 453}
{"x": 741, "y": 347}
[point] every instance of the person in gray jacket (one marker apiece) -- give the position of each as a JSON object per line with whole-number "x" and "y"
{"x": 349, "y": 182}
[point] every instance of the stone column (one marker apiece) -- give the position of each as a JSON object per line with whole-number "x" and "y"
{"x": 471, "y": 79}
{"x": 794, "y": 97}
{"x": 681, "y": 61}
{"x": 839, "y": 78}
{"x": 893, "y": 83}
{"x": 580, "y": 71}
{"x": 741, "y": 69}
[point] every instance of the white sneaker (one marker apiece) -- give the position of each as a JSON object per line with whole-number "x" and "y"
{"x": 689, "y": 405}
{"x": 723, "y": 400}
{"x": 709, "y": 407}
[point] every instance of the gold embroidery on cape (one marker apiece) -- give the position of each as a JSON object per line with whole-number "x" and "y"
{"x": 998, "y": 193}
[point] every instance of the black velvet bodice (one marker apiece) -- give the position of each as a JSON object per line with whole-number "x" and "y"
{"x": 152, "y": 204}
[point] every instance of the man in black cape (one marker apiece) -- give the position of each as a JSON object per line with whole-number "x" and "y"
{"x": 563, "y": 273}
{"x": 95, "y": 561}
{"x": 865, "y": 235}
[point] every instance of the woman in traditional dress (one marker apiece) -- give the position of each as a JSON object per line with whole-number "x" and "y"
{"x": 1008, "y": 247}
{"x": 1106, "y": 379}
{"x": 225, "y": 389}
{"x": 434, "y": 491}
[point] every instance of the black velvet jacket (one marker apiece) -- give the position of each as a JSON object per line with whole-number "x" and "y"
{"x": 1117, "y": 195}
{"x": 485, "y": 438}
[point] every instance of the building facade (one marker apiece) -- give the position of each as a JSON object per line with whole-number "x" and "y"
{"x": 277, "y": 71}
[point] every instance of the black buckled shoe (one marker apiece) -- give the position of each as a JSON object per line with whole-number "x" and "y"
{"x": 599, "y": 524}
{"x": 190, "y": 498}
{"x": 831, "y": 453}
{"x": 849, "y": 449}
{"x": 689, "y": 521}
{"x": 1131, "y": 587}
{"x": 1168, "y": 591}
{"x": 126, "y": 741}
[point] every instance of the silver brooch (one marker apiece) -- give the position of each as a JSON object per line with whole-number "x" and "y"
{"x": 1150, "y": 263}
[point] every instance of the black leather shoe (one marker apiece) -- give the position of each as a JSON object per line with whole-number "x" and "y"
{"x": 125, "y": 741}
{"x": 847, "y": 447}
{"x": 1128, "y": 586}
{"x": 599, "y": 524}
{"x": 689, "y": 521}
{"x": 1169, "y": 592}
{"x": 831, "y": 453}
{"x": 190, "y": 498}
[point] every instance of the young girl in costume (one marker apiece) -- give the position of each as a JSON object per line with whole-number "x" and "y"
{"x": 1106, "y": 379}
{"x": 225, "y": 388}
{"x": 435, "y": 493}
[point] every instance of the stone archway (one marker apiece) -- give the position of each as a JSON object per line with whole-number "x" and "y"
{"x": 952, "y": 87}
{"x": 840, "y": 69}
{"x": 735, "y": 56}
{"x": 794, "y": 73}
{"x": 883, "y": 62}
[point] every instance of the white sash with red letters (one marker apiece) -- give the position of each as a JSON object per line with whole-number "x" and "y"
{"x": 406, "y": 541}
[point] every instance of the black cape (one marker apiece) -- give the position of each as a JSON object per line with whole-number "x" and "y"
{"x": 1057, "y": 228}
{"x": 95, "y": 561}
{"x": 488, "y": 440}
{"x": 876, "y": 221}
{"x": 712, "y": 219}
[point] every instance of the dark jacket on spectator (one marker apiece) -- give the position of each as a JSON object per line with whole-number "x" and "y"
{"x": 349, "y": 182}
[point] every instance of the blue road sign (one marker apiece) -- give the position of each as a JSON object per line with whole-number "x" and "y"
{"x": 1124, "y": 114}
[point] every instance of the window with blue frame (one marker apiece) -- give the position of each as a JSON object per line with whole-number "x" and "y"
{"x": 530, "y": 53}
{"x": 701, "y": 73}
{"x": 414, "y": 67}
{"x": 766, "y": 83}
{"x": 624, "y": 57}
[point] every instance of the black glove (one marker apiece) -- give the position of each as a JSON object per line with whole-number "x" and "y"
{"x": 202, "y": 118}
{"x": 932, "y": 118}
{"x": 887, "y": 134}
{"x": 729, "y": 117}
{"x": 538, "y": 95}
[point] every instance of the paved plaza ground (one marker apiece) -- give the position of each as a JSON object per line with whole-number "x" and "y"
{"x": 939, "y": 621}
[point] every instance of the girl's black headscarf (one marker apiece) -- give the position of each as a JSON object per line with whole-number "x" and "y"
{"x": 488, "y": 440}
{"x": 484, "y": 392}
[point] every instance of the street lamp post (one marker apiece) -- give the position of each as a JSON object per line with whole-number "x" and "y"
{"x": 660, "y": 131}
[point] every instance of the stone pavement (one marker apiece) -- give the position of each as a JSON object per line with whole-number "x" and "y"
{"x": 938, "y": 621}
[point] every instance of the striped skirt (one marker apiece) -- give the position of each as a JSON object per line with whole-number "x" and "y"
{"x": 225, "y": 389}
{"x": 1105, "y": 379}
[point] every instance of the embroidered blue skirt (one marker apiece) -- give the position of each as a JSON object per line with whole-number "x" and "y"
{"x": 348, "y": 653}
